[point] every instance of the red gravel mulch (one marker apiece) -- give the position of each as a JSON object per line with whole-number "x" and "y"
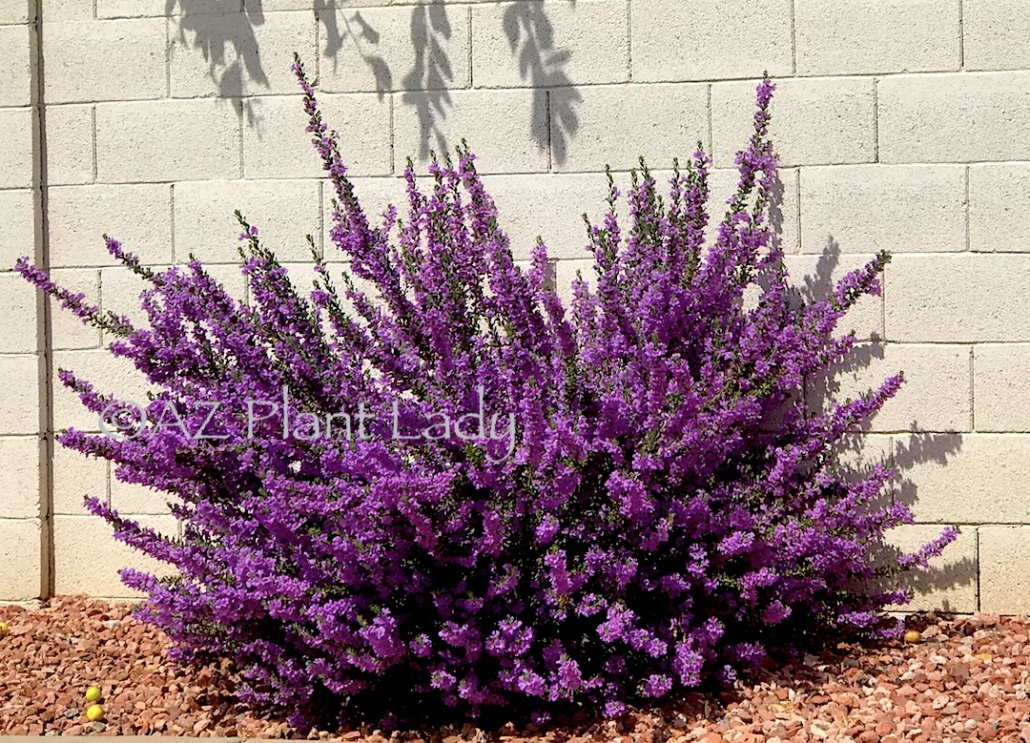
{"x": 965, "y": 680}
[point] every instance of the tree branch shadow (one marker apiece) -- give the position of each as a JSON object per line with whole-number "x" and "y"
{"x": 223, "y": 31}
{"x": 425, "y": 85}
{"x": 361, "y": 33}
{"x": 531, "y": 37}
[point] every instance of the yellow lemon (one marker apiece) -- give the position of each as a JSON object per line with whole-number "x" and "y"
{"x": 913, "y": 636}
{"x": 93, "y": 694}
{"x": 3, "y": 628}
{"x": 94, "y": 713}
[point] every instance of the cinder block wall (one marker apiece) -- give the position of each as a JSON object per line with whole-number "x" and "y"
{"x": 902, "y": 124}
{"x": 24, "y": 514}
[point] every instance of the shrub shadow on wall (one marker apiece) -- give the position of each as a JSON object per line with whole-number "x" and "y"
{"x": 904, "y": 450}
{"x": 223, "y": 31}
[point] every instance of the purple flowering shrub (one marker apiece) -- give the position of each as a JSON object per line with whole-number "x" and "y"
{"x": 663, "y": 512}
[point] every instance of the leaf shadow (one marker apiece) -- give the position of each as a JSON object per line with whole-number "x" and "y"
{"x": 425, "y": 85}
{"x": 531, "y": 38}
{"x": 223, "y": 32}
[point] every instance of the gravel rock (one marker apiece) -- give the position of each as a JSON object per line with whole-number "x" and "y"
{"x": 966, "y": 680}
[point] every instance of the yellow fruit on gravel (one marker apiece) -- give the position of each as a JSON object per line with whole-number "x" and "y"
{"x": 913, "y": 636}
{"x": 94, "y": 713}
{"x": 3, "y": 628}
{"x": 93, "y": 694}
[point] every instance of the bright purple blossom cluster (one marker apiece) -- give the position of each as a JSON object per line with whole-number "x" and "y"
{"x": 671, "y": 513}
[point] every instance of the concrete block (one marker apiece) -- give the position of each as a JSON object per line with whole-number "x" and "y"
{"x": 17, "y": 227}
{"x": 138, "y": 499}
{"x": 956, "y": 298}
{"x": 67, "y": 10}
{"x": 19, "y": 398}
{"x": 616, "y": 125}
{"x": 20, "y": 458}
{"x": 858, "y": 453}
{"x": 375, "y": 195}
{"x": 855, "y": 37}
{"x": 231, "y": 279}
{"x": 949, "y": 584}
{"x": 111, "y": 375}
{"x": 87, "y": 559}
{"x": 1000, "y": 394}
{"x": 696, "y": 40}
{"x": 284, "y": 212}
{"x": 138, "y": 216}
{"x": 16, "y": 56}
{"x": 20, "y": 551}
{"x": 18, "y": 299}
{"x": 816, "y": 276}
{"x": 814, "y": 122}
{"x": 964, "y": 478}
{"x": 994, "y": 34}
{"x": 229, "y": 55}
{"x": 552, "y": 206}
{"x": 301, "y": 275}
{"x": 171, "y": 8}
{"x": 16, "y": 160}
{"x": 108, "y": 9}
{"x": 565, "y": 273}
{"x": 506, "y": 129}
{"x": 76, "y": 477}
{"x": 868, "y": 208}
{"x": 66, "y": 330}
{"x": 14, "y": 12}
{"x": 70, "y": 145}
{"x": 279, "y": 146}
{"x": 275, "y": 5}
{"x": 935, "y": 396}
{"x": 549, "y": 206}
{"x": 120, "y": 291}
{"x": 167, "y": 141}
{"x": 965, "y": 117}
{"x": 1005, "y": 569}
{"x": 999, "y": 195}
{"x": 81, "y": 66}
{"x": 722, "y": 184}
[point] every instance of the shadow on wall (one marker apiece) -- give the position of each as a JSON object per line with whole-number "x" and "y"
{"x": 531, "y": 37}
{"x": 226, "y": 37}
{"x": 224, "y": 34}
{"x": 921, "y": 449}
{"x": 918, "y": 448}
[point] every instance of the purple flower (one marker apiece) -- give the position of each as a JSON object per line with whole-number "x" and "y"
{"x": 665, "y": 510}
{"x": 657, "y": 685}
